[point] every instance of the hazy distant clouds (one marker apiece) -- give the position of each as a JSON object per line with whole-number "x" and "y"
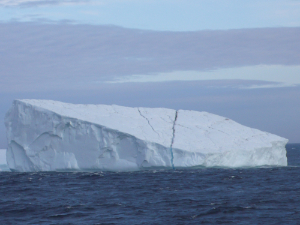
{"x": 29, "y": 3}
{"x": 79, "y": 56}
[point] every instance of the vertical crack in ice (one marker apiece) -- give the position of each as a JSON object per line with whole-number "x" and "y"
{"x": 147, "y": 121}
{"x": 172, "y": 141}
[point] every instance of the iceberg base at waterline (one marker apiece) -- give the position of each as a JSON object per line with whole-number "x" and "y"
{"x": 45, "y": 135}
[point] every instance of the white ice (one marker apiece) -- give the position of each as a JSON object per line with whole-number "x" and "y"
{"x": 3, "y": 164}
{"x": 48, "y": 135}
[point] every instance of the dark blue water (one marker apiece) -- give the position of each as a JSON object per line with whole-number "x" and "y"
{"x": 202, "y": 196}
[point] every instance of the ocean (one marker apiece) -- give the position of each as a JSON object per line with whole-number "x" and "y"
{"x": 190, "y": 196}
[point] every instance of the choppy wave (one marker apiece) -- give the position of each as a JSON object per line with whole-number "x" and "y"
{"x": 198, "y": 196}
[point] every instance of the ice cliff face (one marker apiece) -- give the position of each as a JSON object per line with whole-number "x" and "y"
{"x": 47, "y": 135}
{"x": 3, "y": 164}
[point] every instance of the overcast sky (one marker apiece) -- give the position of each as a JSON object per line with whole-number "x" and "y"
{"x": 236, "y": 59}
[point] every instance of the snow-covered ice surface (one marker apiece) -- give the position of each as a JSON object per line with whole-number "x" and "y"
{"x": 3, "y": 164}
{"x": 46, "y": 135}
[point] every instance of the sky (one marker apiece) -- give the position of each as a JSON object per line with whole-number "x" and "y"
{"x": 238, "y": 59}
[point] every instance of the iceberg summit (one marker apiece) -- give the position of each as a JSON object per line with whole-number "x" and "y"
{"x": 45, "y": 135}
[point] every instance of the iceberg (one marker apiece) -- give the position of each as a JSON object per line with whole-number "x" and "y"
{"x": 46, "y": 135}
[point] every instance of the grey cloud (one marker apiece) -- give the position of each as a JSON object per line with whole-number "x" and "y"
{"x": 68, "y": 62}
{"x": 35, "y": 3}
{"x": 38, "y": 57}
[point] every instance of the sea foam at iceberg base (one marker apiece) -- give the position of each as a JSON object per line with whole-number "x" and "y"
{"x": 46, "y": 135}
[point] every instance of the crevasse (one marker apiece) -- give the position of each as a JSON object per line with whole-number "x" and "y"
{"x": 172, "y": 141}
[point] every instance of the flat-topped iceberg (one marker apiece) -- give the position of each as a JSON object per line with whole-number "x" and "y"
{"x": 46, "y": 135}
